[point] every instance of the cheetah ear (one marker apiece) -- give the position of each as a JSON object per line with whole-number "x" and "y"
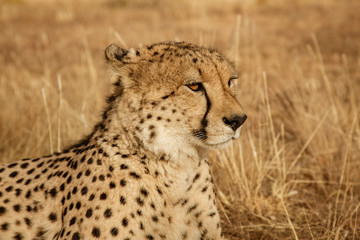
{"x": 114, "y": 53}
{"x": 118, "y": 56}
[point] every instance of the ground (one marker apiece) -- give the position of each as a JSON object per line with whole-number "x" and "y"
{"x": 293, "y": 173}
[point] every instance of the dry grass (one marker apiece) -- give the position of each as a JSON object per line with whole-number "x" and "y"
{"x": 294, "y": 174}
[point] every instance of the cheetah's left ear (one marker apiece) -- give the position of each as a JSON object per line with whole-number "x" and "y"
{"x": 118, "y": 60}
{"x": 117, "y": 55}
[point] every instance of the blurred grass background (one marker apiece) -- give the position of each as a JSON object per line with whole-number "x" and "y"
{"x": 293, "y": 174}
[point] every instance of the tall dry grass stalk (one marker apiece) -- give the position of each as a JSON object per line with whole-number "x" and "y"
{"x": 59, "y": 115}
{"x": 293, "y": 174}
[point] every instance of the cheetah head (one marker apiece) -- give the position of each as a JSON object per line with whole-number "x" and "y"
{"x": 175, "y": 97}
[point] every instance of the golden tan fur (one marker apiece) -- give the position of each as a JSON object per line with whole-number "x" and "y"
{"x": 141, "y": 173}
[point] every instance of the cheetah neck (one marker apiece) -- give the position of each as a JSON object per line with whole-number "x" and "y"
{"x": 115, "y": 139}
{"x": 120, "y": 129}
{"x": 121, "y": 147}
{"x": 116, "y": 135}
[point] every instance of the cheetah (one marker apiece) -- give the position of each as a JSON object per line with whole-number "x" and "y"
{"x": 142, "y": 173}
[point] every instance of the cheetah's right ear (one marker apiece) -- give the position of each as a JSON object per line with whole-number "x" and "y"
{"x": 118, "y": 56}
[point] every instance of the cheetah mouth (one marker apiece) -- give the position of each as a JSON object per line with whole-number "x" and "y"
{"x": 224, "y": 140}
{"x": 220, "y": 143}
{"x": 217, "y": 139}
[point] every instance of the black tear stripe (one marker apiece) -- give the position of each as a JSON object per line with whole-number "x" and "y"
{"x": 204, "y": 121}
{"x": 202, "y": 132}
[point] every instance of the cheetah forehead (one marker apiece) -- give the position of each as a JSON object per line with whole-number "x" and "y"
{"x": 162, "y": 51}
{"x": 165, "y": 66}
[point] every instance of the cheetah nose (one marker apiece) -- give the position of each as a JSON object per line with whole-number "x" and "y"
{"x": 235, "y": 121}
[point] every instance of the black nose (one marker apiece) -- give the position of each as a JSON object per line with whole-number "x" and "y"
{"x": 235, "y": 121}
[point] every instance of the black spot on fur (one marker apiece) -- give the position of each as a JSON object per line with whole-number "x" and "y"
{"x": 4, "y": 226}
{"x": 24, "y": 165}
{"x": 28, "y": 194}
{"x": 17, "y": 208}
{"x": 96, "y": 232}
{"x": 79, "y": 175}
{"x": 108, "y": 213}
{"x": 114, "y": 232}
{"x": 53, "y": 192}
{"x": 18, "y": 236}
{"x": 103, "y": 196}
{"x": 27, "y": 222}
{"x": 72, "y": 221}
{"x": 92, "y": 196}
{"x": 123, "y": 182}
{"x": 75, "y": 236}
{"x": 88, "y": 213}
{"x": 134, "y": 175}
{"x": 18, "y": 192}
{"x": 84, "y": 190}
{"x": 52, "y": 217}
{"x": 18, "y": 181}
{"x": 124, "y": 166}
{"x": 11, "y": 165}
{"x": 155, "y": 218}
{"x": 139, "y": 201}
{"x": 144, "y": 192}
{"x": 190, "y": 209}
{"x": 125, "y": 222}
{"x": 197, "y": 176}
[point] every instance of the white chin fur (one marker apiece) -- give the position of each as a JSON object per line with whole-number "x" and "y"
{"x": 170, "y": 143}
{"x": 173, "y": 143}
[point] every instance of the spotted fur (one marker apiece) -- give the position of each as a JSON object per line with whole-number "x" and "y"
{"x": 142, "y": 172}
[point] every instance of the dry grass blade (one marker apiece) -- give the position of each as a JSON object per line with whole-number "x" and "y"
{"x": 237, "y": 39}
{"x": 48, "y": 119}
{"x": 311, "y": 137}
{"x": 288, "y": 219}
{"x": 120, "y": 39}
{"x": 345, "y": 161}
{"x": 59, "y": 115}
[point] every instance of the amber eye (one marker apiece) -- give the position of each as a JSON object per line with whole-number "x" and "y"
{"x": 231, "y": 80}
{"x": 195, "y": 86}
